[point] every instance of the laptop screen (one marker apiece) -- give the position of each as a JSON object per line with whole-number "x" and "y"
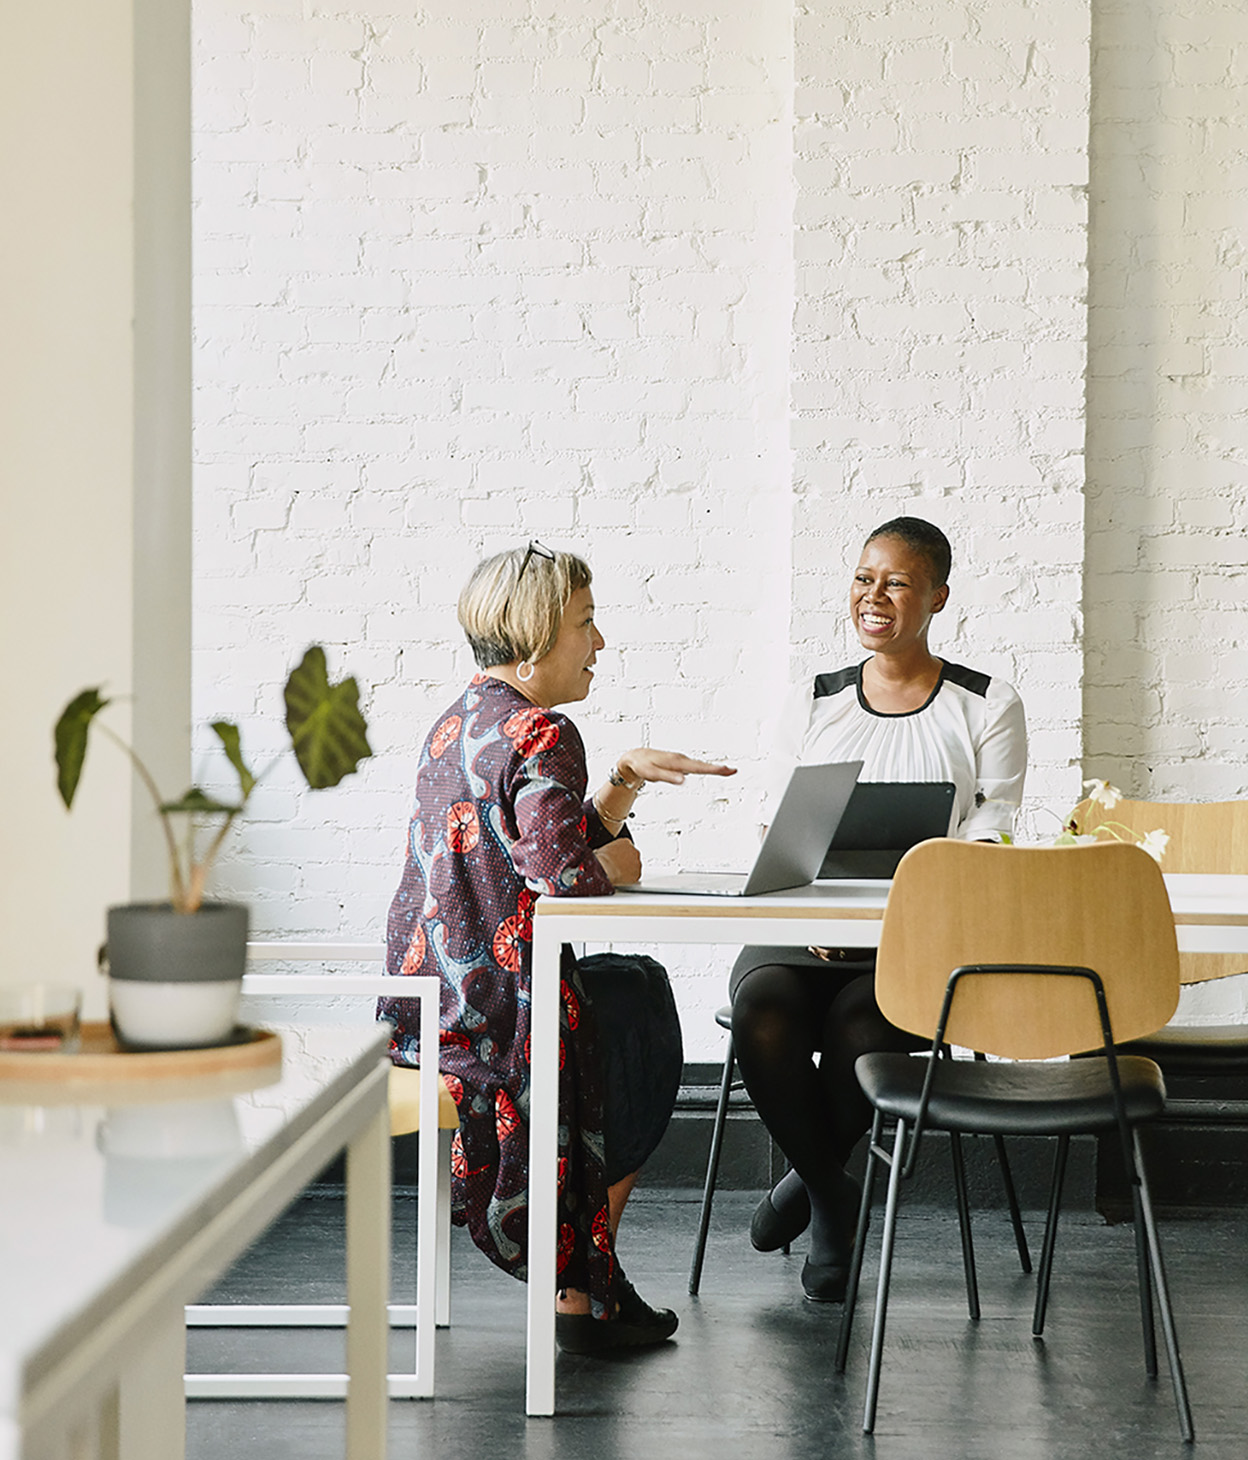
{"x": 883, "y": 820}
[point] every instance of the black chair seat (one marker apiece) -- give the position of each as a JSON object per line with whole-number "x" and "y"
{"x": 1207, "y": 1049}
{"x": 723, "y": 1017}
{"x": 988, "y": 1098}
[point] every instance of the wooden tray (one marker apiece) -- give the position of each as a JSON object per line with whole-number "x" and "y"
{"x": 101, "y": 1060}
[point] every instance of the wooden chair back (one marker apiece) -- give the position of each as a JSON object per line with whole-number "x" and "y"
{"x": 1102, "y": 907}
{"x": 1205, "y": 836}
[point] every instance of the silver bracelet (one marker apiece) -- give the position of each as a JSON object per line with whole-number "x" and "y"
{"x": 616, "y": 779}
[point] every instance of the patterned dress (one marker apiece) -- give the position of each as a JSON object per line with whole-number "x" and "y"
{"x": 501, "y": 815}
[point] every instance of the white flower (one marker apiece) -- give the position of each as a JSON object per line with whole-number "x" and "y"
{"x": 1155, "y": 843}
{"x": 1103, "y": 793}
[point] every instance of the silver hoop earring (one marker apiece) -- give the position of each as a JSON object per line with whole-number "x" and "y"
{"x": 521, "y": 675}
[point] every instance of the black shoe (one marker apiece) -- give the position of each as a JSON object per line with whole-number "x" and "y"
{"x": 773, "y": 1227}
{"x": 825, "y": 1282}
{"x": 634, "y": 1309}
{"x": 635, "y": 1325}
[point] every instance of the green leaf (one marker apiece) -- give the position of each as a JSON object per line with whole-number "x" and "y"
{"x": 196, "y": 800}
{"x": 327, "y": 730}
{"x": 70, "y": 737}
{"x": 232, "y": 741}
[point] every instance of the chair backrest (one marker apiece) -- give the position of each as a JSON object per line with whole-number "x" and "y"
{"x": 1205, "y": 836}
{"x": 1102, "y": 907}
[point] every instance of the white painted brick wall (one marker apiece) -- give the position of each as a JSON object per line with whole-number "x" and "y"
{"x": 1166, "y": 681}
{"x": 496, "y": 269}
{"x": 491, "y": 271}
{"x": 1167, "y": 579}
{"x": 939, "y": 333}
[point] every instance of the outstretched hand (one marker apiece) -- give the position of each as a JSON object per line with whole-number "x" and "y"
{"x": 646, "y": 764}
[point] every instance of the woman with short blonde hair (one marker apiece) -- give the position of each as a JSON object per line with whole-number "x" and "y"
{"x": 512, "y": 604}
{"x": 501, "y": 817}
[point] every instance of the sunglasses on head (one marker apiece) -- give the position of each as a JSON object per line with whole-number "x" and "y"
{"x": 534, "y": 550}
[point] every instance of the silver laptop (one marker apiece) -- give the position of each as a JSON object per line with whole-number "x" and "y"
{"x": 793, "y": 849}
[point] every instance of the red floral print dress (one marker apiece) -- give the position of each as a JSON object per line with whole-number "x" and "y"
{"x": 501, "y": 816}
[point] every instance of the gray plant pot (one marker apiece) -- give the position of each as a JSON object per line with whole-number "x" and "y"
{"x": 175, "y": 978}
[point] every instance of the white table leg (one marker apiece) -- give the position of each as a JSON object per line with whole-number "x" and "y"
{"x": 93, "y": 1436}
{"x": 368, "y": 1288}
{"x": 432, "y": 1289}
{"x": 152, "y": 1404}
{"x": 543, "y": 1168}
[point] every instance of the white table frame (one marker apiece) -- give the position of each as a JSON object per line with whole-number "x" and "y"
{"x": 115, "y": 1389}
{"x": 1211, "y": 915}
{"x": 419, "y": 1383}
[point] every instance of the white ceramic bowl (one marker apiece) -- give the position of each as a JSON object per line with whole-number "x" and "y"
{"x": 174, "y": 1015}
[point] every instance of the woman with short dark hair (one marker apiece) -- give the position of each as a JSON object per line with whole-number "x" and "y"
{"x": 501, "y": 817}
{"x": 801, "y": 1018}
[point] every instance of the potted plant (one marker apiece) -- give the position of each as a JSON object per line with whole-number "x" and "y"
{"x": 176, "y": 967}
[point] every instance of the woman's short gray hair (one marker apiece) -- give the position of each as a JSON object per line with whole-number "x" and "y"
{"x": 512, "y": 605}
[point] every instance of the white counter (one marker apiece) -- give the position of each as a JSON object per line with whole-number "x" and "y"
{"x": 116, "y": 1212}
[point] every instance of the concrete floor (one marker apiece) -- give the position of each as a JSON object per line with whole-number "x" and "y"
{"x": 750, "y": 1371}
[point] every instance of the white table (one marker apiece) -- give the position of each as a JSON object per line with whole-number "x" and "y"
{"x": 116, "y": 1212}
{"x": 1211, "y": 915}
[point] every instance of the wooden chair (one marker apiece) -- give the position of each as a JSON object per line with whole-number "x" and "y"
{"x": 1209, "y": 836}
{"x": 1027, "y": 954}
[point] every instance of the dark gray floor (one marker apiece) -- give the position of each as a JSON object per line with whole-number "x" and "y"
{"x": 750, "y": 1372}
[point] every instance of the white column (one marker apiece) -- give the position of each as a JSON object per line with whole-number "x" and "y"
{"x": 94, "y": 400}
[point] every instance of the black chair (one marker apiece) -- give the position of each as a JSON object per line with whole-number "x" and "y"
{"x": 1028, "y": 954}
{"x": 728, "y": 1084}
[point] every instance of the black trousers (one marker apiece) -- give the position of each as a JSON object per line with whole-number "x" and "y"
{"x": 799, "y": 1023}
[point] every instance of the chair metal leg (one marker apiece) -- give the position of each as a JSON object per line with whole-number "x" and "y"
{"x": 1177, "y": 1377}
{"x": 1145, "y": 1282}
{"x": 886, "y": 1267}
{"x": 964, "y": 1224}
{"x": 1050, "y": 1235}
{"x": 860, "y": 1243}
{"x": 712, "y": 1166}
{"x": 1011, "y": 1197}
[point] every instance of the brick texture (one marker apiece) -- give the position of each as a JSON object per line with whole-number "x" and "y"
{"x": 465, "y": 276}
{"x": 703, "y": 292}
{"x": 939, "y": 334}
{"x": 1166, "y": 679}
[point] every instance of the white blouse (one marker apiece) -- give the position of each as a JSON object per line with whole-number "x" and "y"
{"x": 971, "y": 731}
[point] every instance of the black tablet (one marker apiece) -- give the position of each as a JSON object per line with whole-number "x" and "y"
{"x": 883, "y": 820}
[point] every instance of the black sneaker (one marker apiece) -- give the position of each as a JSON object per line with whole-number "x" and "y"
{"x": 635, "y": 1325}
{"x": 634, "y": 1309}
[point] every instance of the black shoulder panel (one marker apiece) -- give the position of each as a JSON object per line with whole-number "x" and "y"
{"x": 969, "y": 679}
{"x": 833, "y": 684}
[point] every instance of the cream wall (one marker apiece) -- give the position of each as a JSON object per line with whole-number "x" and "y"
{"x": 81, "y": 406}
